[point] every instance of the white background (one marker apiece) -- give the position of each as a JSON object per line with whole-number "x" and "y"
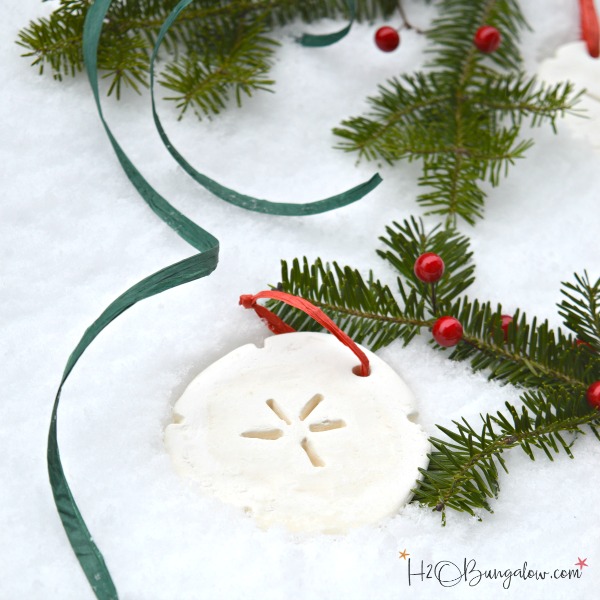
{"x": 75, "y": 234}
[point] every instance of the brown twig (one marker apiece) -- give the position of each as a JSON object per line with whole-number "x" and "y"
{"x": 406, "y": 24}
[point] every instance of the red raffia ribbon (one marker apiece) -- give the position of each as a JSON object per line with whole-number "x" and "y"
{"x": 590, "y": 31}
{"x": 276, "y": 325}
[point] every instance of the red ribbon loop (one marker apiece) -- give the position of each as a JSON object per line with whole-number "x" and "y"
{"x": 590, "y": 29}
{"x": 276, "y": 325}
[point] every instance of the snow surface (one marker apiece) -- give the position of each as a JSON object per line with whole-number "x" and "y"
{"x": 75, "y": 235}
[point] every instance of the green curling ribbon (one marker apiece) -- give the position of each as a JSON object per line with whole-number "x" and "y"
{"x": 327, "y": 39}
{"x": 200, "y": 265}
{"x": 231, "y": 196}
{"x": 86, "y": 551}
{"x": 190, "y": 269}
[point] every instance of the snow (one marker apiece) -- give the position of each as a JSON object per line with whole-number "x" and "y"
{"x": 75, "y": 234}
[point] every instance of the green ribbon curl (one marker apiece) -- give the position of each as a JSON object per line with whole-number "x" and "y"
{"x": 231, "y": 196}
{"x": 319, "y": 41}
{"x": 190, "y": 269}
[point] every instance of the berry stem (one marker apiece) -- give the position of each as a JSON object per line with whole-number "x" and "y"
{"x": 433, "y": 299}
{"x": 406, "y": 24}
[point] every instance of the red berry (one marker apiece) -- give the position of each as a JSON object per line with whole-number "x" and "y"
{"x": 487, "y": 39}
{"x": 506, "y": 320}
{"x": 593, "y": 394}
{"x": 429, "y": 267}
{"x": 387, "y": 39}
{"x": 447, "y": 331}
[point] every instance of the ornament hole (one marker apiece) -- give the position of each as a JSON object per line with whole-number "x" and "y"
{"x": 312, "y": 455}
{"x": 311, "y": 405}
{"x": 357, "y": 370}
{"x": 177, "y": 418}
{"x": 327, "y": 425}
{"x": 265, "y": 434}
{"x": 277, "y": 410}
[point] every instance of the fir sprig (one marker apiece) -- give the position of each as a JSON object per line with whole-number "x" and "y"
{"x": 528, "y": 355}
{"x": 581, "y": 309}
{"x": 366, "y": 310}
{"x": 463, "y": 472}
{"x": 55, "y": 41}
{"x": 550, "y": 364}
{"x": 239, "y": 65}
{"x": 462, "y": 118}
{"x": 407, "y": 241}
{"x": 215, "y": 49}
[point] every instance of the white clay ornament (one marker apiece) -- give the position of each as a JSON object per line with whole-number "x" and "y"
{"x": 573, "y": 63}
{"x": 290, "y": 434}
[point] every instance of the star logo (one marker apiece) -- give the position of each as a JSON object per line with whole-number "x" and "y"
{"x": 581, "y": 563}
{"x": 404, "y": 554}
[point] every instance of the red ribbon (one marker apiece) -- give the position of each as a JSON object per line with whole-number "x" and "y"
{"x": 276, "y": 325}
{"x": 590, "y": 31}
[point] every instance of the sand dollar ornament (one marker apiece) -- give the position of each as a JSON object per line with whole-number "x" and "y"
{"x": 299, "y": 433}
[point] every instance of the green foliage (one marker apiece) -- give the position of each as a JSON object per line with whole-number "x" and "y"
{"x": 462, "y": 118}
{"x": 464, "y": 467}
{"x": 365, "y": 310}
{"x": 216, "y": 48}
{"x": 581, "y": 310}
{"x": 56, "y": 41}
{"x": 531, "y": 354}
{"x": 408, "y": 241}
{"x": 238, "y": 63}
{"x": 463, "y": 472}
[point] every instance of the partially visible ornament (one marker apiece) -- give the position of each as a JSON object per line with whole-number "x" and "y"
{"x": 387, "y": 38}
{"x": 429, "y": 267}
{"x": 573, "y": 63}
{"x": 593, "y": 395}
{"x": 487, "y": 39}
{"x": 447, "y": 331}
{"x": 289, "y": 433}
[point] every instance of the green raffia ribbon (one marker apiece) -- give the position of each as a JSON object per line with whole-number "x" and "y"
{"x": 197, "y": 266}
{"x": 319, "y": 41}
{"x": 231, "y": 196}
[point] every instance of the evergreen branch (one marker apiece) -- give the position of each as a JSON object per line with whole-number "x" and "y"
{"x": 131, "y": 27}
{"x": 454, "y": 29}
{"x": 240, "y": 66}
{"x": 463, "y": 471}
{"x": 515, "y": 96}
{"x": 581, "y": 309}
{"x": 529, "y": 355}
{"x": 403, "y": 103}
{"x": 463, "y": 118}
{"x": 127, "y": 65}
{"x": 56, "y": 40}
{"x": 454, "y": 177}
{"x": 366, "y": 310}
{"x": 408, "y": 241}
